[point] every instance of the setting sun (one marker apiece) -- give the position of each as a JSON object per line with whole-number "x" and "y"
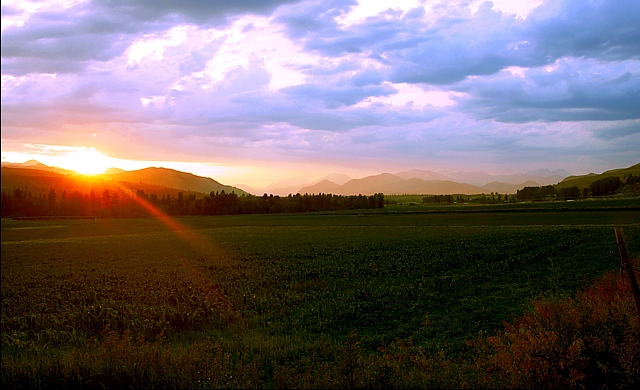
{"x": 87, "y": 161}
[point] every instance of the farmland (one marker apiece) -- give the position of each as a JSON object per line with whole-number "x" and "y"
{"x": 267, "y": 295}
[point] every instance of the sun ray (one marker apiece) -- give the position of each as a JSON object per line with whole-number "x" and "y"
{"x": 203, "y": 249}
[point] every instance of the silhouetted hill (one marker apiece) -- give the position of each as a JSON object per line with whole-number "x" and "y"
{"x": 113, "y": 171}
{"x": 38, "y": 182}
{"x": 585, "y": 181}
{"x": 35, "y": 165}
{"x": 173, "y": 179}
{"x": 39, "y": 178}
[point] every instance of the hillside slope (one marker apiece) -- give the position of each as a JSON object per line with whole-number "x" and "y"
{"x": 585, "y": 181}
{"x": 38, "y": 178}
{"x": 173, "y": 179}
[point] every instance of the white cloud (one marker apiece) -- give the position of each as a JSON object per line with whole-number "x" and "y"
{"x": 153, "y": 46}
{"x": 155, "y": 100}
{"x": 520, "y": 8}
{"x": 257, "y": 38}
{"x": 369, "y": 8}
{"x": 412, "y": 96}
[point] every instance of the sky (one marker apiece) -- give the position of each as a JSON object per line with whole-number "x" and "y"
{"x": 254, "y": 92}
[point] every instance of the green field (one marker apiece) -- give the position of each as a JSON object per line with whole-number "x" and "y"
{"x": 272, "y": 292}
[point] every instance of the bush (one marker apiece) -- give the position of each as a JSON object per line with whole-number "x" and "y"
{"x": 592, "y": 341}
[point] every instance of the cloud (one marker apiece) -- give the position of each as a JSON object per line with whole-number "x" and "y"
{"x": 570, "y": 90}
{"x": 607, "y": 30}
{"x": 191, "y": 11}
{"x": 616, "y": 130}
{"x": 65, "y": 40}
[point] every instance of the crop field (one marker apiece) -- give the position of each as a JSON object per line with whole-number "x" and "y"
{"x": 265, "y": 292}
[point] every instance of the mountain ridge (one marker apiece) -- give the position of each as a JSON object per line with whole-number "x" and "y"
{"x": 414, "y": 181}
{"x": 174, "y": 179}
{"x": 583, "y": 181}
{"x": 170, "y": 179}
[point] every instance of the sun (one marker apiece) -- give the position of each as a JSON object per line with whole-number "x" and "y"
{"x": 87, "y": 161}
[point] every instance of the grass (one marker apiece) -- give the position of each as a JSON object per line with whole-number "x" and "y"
{"x": 283, "y": 300}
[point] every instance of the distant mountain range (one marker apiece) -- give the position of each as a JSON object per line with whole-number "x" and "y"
{"x": 540, "y": 176}
{"x": 387, "y": 183}
{"x": 41, "y": 177}
{"x": 292, "y": 186}
{"x": 418, "y": 181}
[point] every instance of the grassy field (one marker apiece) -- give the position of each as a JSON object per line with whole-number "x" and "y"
{"x": 270, "y": 296}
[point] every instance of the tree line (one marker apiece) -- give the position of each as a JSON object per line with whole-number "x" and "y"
{"x": 493, "y": 197}
{"x": 120, "y": 203}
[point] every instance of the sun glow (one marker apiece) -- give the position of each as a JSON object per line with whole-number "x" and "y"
{"x": 86, "y": 161}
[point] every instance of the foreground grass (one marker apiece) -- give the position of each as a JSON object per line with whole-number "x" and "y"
{"x": 592, "y": 341}
{"x": 315, "y": 301}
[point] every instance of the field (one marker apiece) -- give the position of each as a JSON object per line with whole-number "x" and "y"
{"x": 270, "y": 296}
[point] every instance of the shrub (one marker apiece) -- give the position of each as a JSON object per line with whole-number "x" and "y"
{"x": 592, "y": 341}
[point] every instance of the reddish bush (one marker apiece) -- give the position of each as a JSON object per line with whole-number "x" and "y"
{"x": 591, "y": 341}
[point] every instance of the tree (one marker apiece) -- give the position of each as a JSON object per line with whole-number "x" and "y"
{"x": 606, "y": 186}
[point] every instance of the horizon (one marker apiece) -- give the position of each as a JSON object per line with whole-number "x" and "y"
{"x": 307, "y": 180}
{"x": 256, "y": 93}
{"x": 68, "y": 162}
{"x": 474, "y": 178}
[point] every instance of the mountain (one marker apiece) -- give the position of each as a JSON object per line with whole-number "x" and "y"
{"x": 282, "y": 187}
{"x": 371, "y": 184}
{"x": 247, "y": 189}
{"x": 420, "y": 174}
{"x": 506, "y": 188}
{"x": 511, "y": 183}
{"x": 549, "y": 173}
{"x": 389, "y": 184}
{"x": 36, "y": 165}
{"x": 113, "y": 171}
{"x": 585, "y": 181}
{"x": 541, "y": 177}
{"x": 489, "y": 182}
{"x": 39, "y": 182}
{"x": 323, "y": 187}
{"x": 39, "y": 177}
{"x": 297, "y": 185}
{"x": 173, "y": 179}
{"x": 477, "y": 181}
{"x": 437, "y": 187}
{"x": 336, "y": 178}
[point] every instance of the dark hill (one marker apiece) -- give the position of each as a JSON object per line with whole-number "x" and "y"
{"x": 173, "y": 179}
{"x": 585, "y": 181}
